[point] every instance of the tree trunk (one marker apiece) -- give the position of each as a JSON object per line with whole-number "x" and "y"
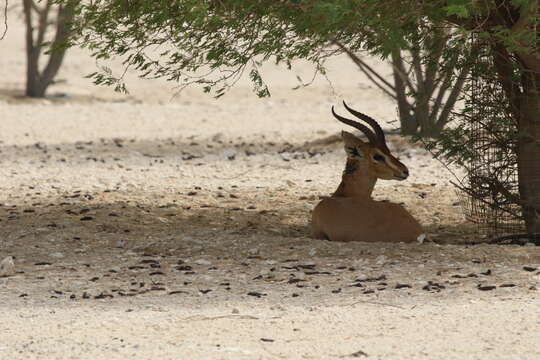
{"x": 32, "y": 53}
{"x": 408, "y": 123}
{"x": 524, "y": 105}
{"x": 529, "y": 152}
{"x": 38, "y": 81}
{"x": 35, "y": 87}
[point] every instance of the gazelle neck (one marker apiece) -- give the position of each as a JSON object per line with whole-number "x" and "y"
{"x": 355, "y": 182}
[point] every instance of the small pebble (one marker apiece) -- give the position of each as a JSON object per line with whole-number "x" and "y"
{"x": 183, "y": 268}
{"x": 202, "y": 262}
{"x": 177, "y": 292}
{"x": 253, "y": 251}
{"x": 43, "y": 263}
{"x": 7, "y": 267}
{"x": 486, "y": 287}
{"x": 507, "y": 285}
{"x": 402, "y": 286}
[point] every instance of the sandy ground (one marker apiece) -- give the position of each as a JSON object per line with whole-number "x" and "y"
{"x": 170, "y": 226}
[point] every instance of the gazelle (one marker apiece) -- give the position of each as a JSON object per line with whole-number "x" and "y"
{"x": 350, "y": 214}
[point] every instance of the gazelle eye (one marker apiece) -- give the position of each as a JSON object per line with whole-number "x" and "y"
{"x": 378, "y": 157}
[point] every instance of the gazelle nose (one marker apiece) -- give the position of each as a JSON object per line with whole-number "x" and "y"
{"x": 404, "y": 174}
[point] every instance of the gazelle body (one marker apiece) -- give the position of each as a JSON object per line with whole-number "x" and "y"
{"x": 350, "y": 214}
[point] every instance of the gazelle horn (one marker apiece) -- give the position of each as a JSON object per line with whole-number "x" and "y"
{"x": 378, "y": 130}
{"x": 367, "y": 131}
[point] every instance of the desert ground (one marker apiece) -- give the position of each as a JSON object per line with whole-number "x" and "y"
{"x": 171, "y": 225}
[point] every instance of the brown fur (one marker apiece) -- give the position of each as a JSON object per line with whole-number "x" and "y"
{"x": 350, "y": 214}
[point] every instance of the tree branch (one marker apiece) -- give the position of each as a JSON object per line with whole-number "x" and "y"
{"x": 434, "y": 54}
{"x": 399, "y": 69}
{"x": 367, "y": 70}
{"x": 27, "y": 7}
{"x": 417, "y": 67}
{"x": 65, "y": 17}
{"x": 43, "y": 15}
{"x": 409, "y": 124}
{"x": 531, "y": 60}
{"x": 504, "y": 68}
{"x": 5, "y": 21}
{"x": 452, "y": 98}
{"x": 441, "y": 92}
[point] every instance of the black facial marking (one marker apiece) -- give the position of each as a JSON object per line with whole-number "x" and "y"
{"x": 350, "y": 167}
{"x": 352, "y": 152}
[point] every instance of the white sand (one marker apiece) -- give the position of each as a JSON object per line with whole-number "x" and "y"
{"x": 126, "y": 162}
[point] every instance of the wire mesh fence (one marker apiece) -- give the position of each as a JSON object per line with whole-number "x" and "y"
{"x": 489, "y": 192}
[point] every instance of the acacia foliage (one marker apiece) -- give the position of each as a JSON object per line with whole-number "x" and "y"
{"x": 212, "y": 42}
{"x": 184, "y": 40}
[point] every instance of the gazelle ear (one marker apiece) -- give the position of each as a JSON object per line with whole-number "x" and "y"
{"x": 352, "y": 145}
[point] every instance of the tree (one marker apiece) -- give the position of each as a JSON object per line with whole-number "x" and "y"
{"x": 212, "y": 42}
{"x": 426, "y": 83}
{"x": 38, "y": 23}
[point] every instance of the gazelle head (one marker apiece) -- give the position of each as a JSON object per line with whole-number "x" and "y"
{"x": 372, "y": 157}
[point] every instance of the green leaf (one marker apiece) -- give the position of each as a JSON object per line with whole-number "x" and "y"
{"x": 460, "y": 11}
